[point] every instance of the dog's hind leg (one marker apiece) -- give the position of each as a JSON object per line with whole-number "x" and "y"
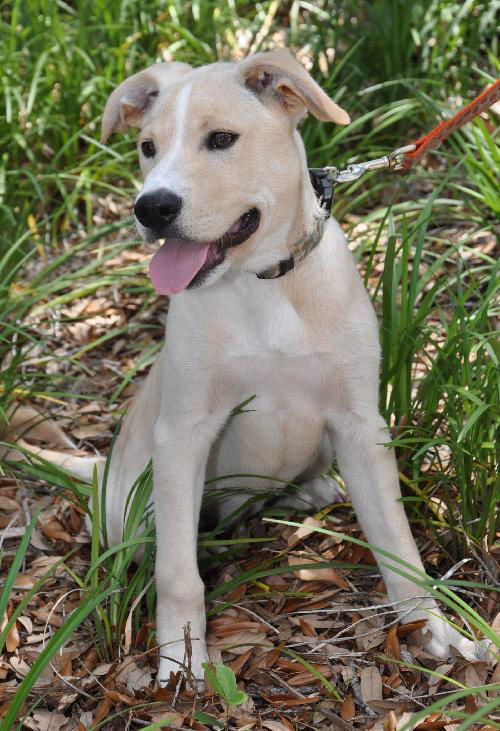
{"x": 371, "y": 475}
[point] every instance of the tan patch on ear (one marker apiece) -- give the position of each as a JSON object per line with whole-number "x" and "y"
{"x": 126, "y": 106}
{"x": 278, "y": 74}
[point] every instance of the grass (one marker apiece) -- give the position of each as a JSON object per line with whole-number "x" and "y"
{"x": 423, "y": 243}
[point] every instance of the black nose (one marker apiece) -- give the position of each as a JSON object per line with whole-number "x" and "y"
{"x": 156, "y": 210}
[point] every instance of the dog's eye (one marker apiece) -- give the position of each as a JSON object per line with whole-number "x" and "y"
{"x": 221, "y": 140}
{"x": 148, "y": 148}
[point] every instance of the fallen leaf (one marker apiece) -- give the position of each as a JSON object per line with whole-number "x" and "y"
{"x": 392, "y": 648}
{"x": 8, "y": 504}
{"x": 306, "y": 628}
{"x": 47, "y": 721}
{"x": 240, "y": 642}
{"x": 348, "y": 708}
{"x": 19, "y": 665}
{"x": 370, "y": 684}
{"x": 367, "y": 635}
{"x": 320, "y": 574}
{"x": 117, "y": 697}
{"x": 26, "y": 623}
{"x": 289, "y": 700}
{"x": 305, "y": 530}
{"x": 132, "y": 676}
{"x": 274, "y": 726}
{"x": 54, "y": 531}
{"x": 13, "y": 640}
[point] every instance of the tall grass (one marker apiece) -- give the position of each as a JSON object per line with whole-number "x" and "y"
{"x": 398, "y": 68}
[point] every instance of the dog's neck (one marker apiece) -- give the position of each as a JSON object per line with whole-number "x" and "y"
{"x": 299, "y": 249}
{"x": 317, "y": 200}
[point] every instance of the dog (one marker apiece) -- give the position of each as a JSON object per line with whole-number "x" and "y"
{"x": 265, "y": 300}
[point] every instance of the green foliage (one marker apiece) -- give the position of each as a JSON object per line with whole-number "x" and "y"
{"x": 208, "y": 719}
{"x": 399, "y": 67}
{"x": 223, "y": 681}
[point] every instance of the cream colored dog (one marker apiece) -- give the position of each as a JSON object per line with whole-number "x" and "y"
{"x": 226, "y": 186}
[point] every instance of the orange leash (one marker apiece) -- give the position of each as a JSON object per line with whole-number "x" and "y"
{"x": 434, "y": 138}
{"x": 404, "y": 157}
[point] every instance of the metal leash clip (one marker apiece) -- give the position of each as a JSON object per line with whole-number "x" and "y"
{"x": 393, "y": 161}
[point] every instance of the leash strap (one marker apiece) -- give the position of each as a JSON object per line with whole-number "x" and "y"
{"x": 437, "y": 135}
{"x": 324, "y": 179}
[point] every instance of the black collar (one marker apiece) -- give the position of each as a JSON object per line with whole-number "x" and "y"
{"x": 323, "y": 187}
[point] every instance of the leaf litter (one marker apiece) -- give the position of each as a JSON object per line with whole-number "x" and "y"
{"x": 334, "y": 619}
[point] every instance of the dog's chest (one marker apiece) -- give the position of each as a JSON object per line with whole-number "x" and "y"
{"x": 271, "y": 353}
{"x": 250, "y": 340}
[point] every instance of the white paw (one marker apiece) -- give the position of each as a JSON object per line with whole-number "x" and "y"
{"x": 173, "y": 659}
{"x": 315, "y": 494}
{"x": 444, "y": 637}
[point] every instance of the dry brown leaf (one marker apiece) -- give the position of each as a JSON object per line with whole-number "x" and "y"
{"x": 19, "y": 665}
{"x": 303, "y": 678}
{"x": 434, "y": 722}
{"x": 370, "y": 684}
{"x": 228, "y": 629}
{"x": 403, "y": 630}
{"x": 132, "y": 676}
{"x": 38, "y": 568}
{"x": 348, "y": 708}
{"x": 55, "y": 620}
{"x": 47, "y": 721}
{"x": 495, "y": 676}
{"x": 26, "y": 623}
{"x": 307, "y": 628}
{"x": 117, "y": 697}
{"x": 320, "y": 574}
{"x": 367, "y": 635}
{"x": 102, "y": 710}
{"x": 392, "y": 647}
{"x": 237, "y": 664}
{"x": 391, "y": 722}
{"x": 91, "y": 430}
{"x": 13, "y": 640}
{"x": 8, "y": 504}
{"x": 274, "y": 725}
{"x": 240, "y": 642}
{"x": 54, "y": 531}
{"x": 305, "y": 530}
{"x": 289, "y": 700}
{"x": 495, "y": 625}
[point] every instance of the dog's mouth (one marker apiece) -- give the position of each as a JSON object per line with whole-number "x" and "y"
{"x": 181, "y": 263}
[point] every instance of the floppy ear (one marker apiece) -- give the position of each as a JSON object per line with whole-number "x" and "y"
{"x": 278, "y": 76}
{"x": 126, "y": 106}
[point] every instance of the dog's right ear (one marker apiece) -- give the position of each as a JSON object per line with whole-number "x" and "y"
{"x": 277, "y": 77}
{"x": 126, "y": 106}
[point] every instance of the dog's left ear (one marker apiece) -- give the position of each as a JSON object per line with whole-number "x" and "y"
{"x": 133, "y": 97}
{"x": 277, "y": 77}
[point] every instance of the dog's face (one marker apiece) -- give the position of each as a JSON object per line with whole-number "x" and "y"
{"x": 225, "y": 178}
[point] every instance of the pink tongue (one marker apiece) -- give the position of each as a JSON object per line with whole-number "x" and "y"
{"x": 176, "y": 264}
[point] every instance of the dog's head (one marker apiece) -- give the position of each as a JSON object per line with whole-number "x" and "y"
{"x": 225, "y": 176}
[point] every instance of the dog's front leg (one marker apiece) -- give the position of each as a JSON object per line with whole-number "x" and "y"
{"x": 370, "y": 472}
{"x": 180, "y": 454}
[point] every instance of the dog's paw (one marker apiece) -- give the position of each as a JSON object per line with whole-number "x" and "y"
{"x": 443, "y": 641}
{"x": 173, "y": 659}
{"x": 314, "y": 494}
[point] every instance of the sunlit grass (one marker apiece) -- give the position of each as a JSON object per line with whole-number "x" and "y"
{"x": 398, "y": 69}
